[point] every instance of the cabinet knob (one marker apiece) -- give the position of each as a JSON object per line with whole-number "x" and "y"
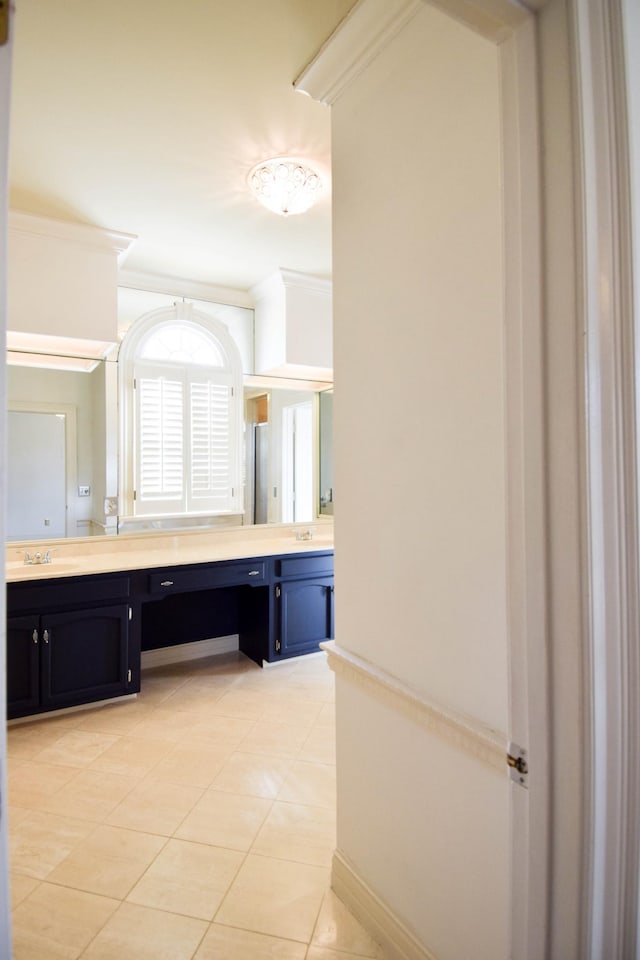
{"x": 45, "y": 636}
{"x": 253, "y": 573}
{"x": 166, "y": 583}
{"x": 34, "y": 636}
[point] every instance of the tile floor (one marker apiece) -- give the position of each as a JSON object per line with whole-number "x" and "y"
{"x": 197, "y": 821}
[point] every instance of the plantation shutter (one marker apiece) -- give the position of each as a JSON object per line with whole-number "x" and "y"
{"x": 161, "y": 461}
{"x": 211, "y": 460}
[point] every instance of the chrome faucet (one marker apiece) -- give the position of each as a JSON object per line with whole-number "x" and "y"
{"x": 37, "y": 557}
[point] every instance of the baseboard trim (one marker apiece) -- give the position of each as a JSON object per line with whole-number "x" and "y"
{"x": 189, "y": 651}
{"x": 380, "y": 922}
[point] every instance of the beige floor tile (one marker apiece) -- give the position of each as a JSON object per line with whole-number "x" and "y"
{"x": 215, "y": 760}
{"x": 139, "y": 933}
{"x": 17, "y": 814}
{"x": 242, "y": 704}
{"x": 132, "y": 756}
{"x": 250, "y": 775}
{"x": 320, "y": 689}
{"x": 77, "y": 748}
{"x": 327, "y": 715}
{"x": 165, "y": 724}
{"x": 31, "y": 783}
{"x": 222, "y": 731}
{"x": 90, "y": 795}
{"x": 292, "y": 710}
{"x": 322, "y": 953}
{"x": 198, "y": 695}
{"x": 275, "y": 740}
{"x": 54, "y": 922}
{"x": 21, "y": 887}
{"x": 155, "y": 806}
{"x": 158, "y": 686}
{"x": 119, "y": 718}
{"x": 227, "y": 943}
{"x": 195, "y": 763}
{"x": 225, "y": 820}
{"x": 27, "y": 739}
{"x": 42, "y": 840}
{"x": 320, "y": 746}
{"x": 109, "y": 862}
{"x": 293, "y": 831}
{"x": 275, "y": 897}
{"x": 337, "y": 929}
{"x": 310, "y": 783}
{"x": 188, "y": 878}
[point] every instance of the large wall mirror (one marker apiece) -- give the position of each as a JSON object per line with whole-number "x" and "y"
{"x": 63, "y": 451}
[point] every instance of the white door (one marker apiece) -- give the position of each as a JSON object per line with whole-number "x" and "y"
{"x": 36, "y": 482}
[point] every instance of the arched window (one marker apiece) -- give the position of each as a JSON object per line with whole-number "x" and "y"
{"x": 182, "y": 416}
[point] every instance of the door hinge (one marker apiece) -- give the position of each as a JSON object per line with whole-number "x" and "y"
{"x": 128, "y": 676}
{"x": 4, "y": 21}
{"x": 517, "y": 761}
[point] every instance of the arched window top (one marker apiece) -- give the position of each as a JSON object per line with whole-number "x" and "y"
{"x": 181, "y": 342}
{"x": 180, "y": 379}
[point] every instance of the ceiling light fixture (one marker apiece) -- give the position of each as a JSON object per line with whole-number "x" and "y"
{"x": 285, "y": 185}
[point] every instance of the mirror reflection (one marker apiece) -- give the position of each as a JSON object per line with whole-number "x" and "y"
{"x": 62, "y": 451}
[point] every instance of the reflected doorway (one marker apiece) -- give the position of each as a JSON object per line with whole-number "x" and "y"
{"x": 297, "y": 460}
{"x": 36, "y": 475}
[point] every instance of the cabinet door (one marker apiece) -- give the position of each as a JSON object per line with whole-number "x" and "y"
{"x": 305, "y": 615}
{"x": 23, "y": 643}
{"x": 84, "y": 656}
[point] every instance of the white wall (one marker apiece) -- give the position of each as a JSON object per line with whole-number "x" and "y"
{"x": 420, "y": 465}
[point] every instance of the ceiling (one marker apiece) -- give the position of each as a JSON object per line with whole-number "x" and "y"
{"x": 145, "y": 116}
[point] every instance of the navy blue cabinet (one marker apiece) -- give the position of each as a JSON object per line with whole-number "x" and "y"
{"x": 63, "y": 657}
{"x": 23, "y": 666}
{"x": 74, "y": 640}
{"x": 303, "y": 598}
{"x": 304, "y": 615}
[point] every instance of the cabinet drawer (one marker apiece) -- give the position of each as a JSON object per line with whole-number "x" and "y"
{"x": 66, "y": 592}
{"x": 251, "y": 572}
{"x": 302, "y": 566}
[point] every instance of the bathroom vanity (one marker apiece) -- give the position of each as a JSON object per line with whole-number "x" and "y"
{"x": 76, "y": 628}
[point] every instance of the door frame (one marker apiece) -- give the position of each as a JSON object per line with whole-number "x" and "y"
{"x": 611, "y": 523}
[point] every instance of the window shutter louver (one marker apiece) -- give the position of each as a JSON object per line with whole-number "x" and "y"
{"x": 210, "y": 444}
{"x": 161, "y": 439}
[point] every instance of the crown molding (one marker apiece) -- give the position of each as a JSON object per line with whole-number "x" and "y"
{"x": 282, "y": 278}
{"x": 80, "y": 234}
{"x": 364, "y": 32}
{"x": 179, "y": 287}
{"x": 372, "y": 24}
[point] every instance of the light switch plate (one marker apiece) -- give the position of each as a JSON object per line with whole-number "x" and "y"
{"x": 84, "y": 490}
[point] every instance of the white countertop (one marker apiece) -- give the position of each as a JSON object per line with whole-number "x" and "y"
{"x": 92, "y": 555}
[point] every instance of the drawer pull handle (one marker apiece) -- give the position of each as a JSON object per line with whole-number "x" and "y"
{"x": 166, "y": 583}
{"x": 254, "y": 573}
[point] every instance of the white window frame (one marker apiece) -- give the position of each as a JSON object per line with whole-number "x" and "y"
{"x": 130, "y": 366}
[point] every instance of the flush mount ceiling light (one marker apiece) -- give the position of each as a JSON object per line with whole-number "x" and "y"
{"x": 285, "y": 185}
